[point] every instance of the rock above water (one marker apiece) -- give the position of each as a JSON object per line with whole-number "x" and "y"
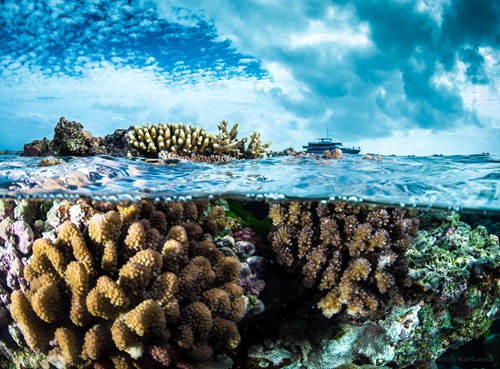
{"x": 70, "y": 138}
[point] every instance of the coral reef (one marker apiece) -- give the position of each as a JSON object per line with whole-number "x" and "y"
{"x": 143, "y": 285}
{"x": 443, "y": 260}
{"x": 452, "y": 297}
{"x": 164, "y": 285}
{"x": 187, "y": 140}
{"x": 356, "y": 253}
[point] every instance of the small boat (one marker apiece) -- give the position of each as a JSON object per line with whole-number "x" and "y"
{"x": 326, "y": 143}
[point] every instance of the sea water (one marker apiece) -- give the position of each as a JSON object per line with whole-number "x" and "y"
{"x": 468, "y": 185}
{"x": 448, "y": 182}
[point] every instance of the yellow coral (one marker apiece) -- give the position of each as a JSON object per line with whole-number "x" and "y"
{"x": 128, "y": 214}
{"x": 36, "y": 332}
{"x": 174, "y": 255}
{"x": 68, "y": 351}
{"x": 46, "y": 302}
{"x": 107, "y": 299}
{"x": 196, "y": 277}
{"x": 164, "y": 289}
{"x": 134, "y": 292}
{"x": 148, "y": 315}
{"x": 70, "y": 235}
{"x": 104, "y": 228}
{"x": 224, "y": 334}
{"x": 97, "y": 341}
{"x": 126, "y": 340}
{"x": 227, "y": 269}
{"x": 135, "y": 240}
{"x": 47, "y": 259}
{"x": 78, "y": 281}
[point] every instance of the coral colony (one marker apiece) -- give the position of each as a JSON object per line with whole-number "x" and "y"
{"x": 134, "y": 284}
{"x": 339, "y": 246}
{"x": 163, "y": 140}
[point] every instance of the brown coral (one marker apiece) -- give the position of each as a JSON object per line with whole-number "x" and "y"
{"x": 356, "y": 253}
{"x": 111, "y": 292}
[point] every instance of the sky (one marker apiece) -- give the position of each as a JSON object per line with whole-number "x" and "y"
{"x": 404, "y": 77}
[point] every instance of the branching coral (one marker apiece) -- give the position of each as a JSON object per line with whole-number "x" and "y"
{"x": 163, "y": 140}
{"x": 354, "y": 252}
{"x": 227, "y": 143}
{"x": 114, "y": 293}
{"x": 176, "y": 138}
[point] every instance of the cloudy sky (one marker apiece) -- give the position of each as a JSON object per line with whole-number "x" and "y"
{"x": 394, "y": 76}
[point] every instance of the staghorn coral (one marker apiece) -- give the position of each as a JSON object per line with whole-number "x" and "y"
{"x": 154, "y": 302}
{"x": 356, "y": 253}
{"x": 193, "y": 143}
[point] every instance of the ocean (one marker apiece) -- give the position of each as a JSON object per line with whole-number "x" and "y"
{"x": 448, "y": 182}
{"x": 425, "y": 294}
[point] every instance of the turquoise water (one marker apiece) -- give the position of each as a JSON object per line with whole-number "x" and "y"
{"x": 454, "y": 182}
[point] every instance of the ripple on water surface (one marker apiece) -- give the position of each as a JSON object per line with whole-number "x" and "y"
{"x": 456, "y": 182}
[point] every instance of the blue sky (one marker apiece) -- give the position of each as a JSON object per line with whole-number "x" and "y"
{"x": 395, "y": 77}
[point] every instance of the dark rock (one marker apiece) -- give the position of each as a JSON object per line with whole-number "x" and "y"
{"x": 38, "y": 148}
{"x": 116, "y": 143}
{"x": 72, "y": 140}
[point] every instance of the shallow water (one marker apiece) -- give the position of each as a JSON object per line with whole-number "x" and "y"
{"x": 454, "y": 182}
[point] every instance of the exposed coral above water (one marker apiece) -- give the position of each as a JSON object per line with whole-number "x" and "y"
{"x": 151, "y": 140}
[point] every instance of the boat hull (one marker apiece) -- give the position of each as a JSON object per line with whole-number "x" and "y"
{"x": 319, "y": 150}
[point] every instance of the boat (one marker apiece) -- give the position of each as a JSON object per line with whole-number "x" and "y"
{"x": 319, "y": 146}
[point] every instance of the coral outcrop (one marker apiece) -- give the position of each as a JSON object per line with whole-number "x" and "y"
{"x": 355, "y": 253}
{"x": 71, "y": 139}
{"x": 187, "y": 140}
{"x": 133, "y": 285}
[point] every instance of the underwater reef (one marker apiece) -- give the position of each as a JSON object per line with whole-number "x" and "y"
{"x": 123, "y": 286}
{"x": 205, "y": 284}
